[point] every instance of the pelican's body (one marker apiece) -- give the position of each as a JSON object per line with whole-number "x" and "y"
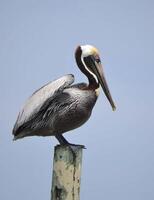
{"x": 60, "y": 106}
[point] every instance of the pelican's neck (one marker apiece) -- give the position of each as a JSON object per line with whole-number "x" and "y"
{"x": 93, "y": 84}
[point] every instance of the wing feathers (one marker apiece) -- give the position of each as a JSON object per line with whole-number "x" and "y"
{"x": 39, "y": 98}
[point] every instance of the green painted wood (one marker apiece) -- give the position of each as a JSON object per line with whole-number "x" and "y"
{"x": 66, "y": 172}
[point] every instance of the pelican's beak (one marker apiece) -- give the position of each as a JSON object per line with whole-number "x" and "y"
{"x": 98, "y": 70}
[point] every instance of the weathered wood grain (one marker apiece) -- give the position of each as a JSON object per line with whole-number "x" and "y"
{"x": 66, "y": 172}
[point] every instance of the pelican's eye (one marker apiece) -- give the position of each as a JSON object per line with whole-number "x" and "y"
{"x": 97, "y": 59}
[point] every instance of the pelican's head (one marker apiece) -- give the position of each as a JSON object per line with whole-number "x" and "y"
{"x": 89, "y": 62}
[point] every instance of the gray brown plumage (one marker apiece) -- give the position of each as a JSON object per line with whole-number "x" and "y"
{"x": 60, "y": 106}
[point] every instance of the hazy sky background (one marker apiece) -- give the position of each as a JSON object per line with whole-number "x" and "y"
{"x": 37, "y": 43}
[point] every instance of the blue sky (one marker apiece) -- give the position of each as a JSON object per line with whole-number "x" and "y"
{"x": 37, "y": 43}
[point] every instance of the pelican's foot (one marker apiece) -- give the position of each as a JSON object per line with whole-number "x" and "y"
{"x": 76, "y": 145}
{"x": 64, "y": 142}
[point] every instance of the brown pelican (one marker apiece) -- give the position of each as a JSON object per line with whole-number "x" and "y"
{"x": 59, "y": 106}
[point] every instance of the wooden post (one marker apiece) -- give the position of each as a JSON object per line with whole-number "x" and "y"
{"x": 66, "y": 172}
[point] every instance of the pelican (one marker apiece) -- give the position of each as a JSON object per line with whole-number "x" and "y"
{"x": 60, "y": 105}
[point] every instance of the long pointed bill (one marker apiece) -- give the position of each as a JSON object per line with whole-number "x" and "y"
{"x": 101, "y": 78}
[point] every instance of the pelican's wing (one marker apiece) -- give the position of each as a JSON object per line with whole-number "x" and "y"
{"x": 40, "y": 97}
